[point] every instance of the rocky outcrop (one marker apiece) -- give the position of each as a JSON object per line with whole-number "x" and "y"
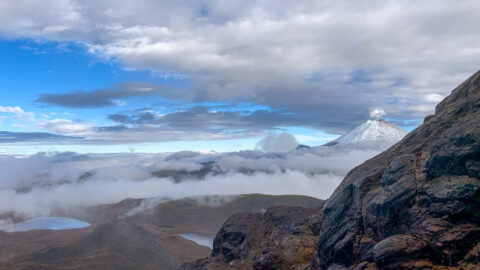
{"x": 415, "y": 206}
{"x": 426, "y": 188}
{"x": 279, "y": 238}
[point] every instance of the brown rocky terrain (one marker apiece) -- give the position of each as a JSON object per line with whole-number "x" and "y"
{"x": 280, "y": 238}
{"x": 148, "y": 239}
{"x": 415, "y": 206}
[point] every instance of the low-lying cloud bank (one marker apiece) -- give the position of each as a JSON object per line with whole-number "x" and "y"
{"x": 40, "y": 184}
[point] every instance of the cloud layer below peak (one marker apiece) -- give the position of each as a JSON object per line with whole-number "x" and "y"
{"x": 41, "y": 184}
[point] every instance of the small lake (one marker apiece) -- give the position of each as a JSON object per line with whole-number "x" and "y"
{"x": 203, "y": 240}
{"x": 49, "y": 223}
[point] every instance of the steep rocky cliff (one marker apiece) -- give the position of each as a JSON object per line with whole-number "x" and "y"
{"x": 415, "y": 206}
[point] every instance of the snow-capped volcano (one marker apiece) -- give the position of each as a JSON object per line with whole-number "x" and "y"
{"x": 370, "y": 131}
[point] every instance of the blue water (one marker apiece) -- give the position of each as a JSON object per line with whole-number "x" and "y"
{"x": 203, "y": 240}
{"x": 49, "y": 223}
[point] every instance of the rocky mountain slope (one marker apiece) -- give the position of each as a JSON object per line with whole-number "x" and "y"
{"x": 415, "y": 206}
{"x": 279, "y": 238}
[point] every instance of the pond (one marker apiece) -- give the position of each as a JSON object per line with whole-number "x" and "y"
{"x": 49, "y": 223}
{"x": 203, "y": 240}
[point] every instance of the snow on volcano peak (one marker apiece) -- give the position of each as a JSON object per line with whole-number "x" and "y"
{"x": 372, "y": 130}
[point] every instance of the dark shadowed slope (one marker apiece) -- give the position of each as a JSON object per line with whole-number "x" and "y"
{"x": 415, "y": 206}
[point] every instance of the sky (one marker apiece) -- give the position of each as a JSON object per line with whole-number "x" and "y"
{"x": 162, "y": 76}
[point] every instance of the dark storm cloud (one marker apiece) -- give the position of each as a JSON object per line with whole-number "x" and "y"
{"x": 13, "y": 137}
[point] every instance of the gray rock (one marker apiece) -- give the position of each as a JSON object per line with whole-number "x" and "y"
{"x": 425, "y": 185}
{"x": 393, "y": 249}
{"x": 450, "y": 187}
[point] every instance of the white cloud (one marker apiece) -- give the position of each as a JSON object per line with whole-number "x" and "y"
{"x": 434, "y": 98}
{"x": 38, "y": 185}
{"x": 40, "y": 19}
{"x": 377, "y": 114}
{"x": 331, "y": 59}
{"x": 283, "y": 142}
{"x": 66, "y": 126}
{"x": 316, "y": 138}
{"x": 18, "y": 112}
{"x": 41, "y": 201}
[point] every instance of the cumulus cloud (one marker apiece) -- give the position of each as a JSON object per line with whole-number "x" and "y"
{"x": 377, "y": 114}
{"x": 18, "y": 112}
{"x": 283, "y": 142}
{"x": 66, "y": 126}
{"x": 305, "y": 57}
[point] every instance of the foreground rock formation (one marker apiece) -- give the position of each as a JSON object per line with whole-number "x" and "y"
{"x": 415, "y": 206}
{"x": 279, "y": 238}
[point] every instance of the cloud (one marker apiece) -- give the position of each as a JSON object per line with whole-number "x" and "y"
{"x": 40, "y": 201}
{"x": 102, "y": 98}
{"x": 208, "y": 119}
{"x": 66, "y": 126}
{"x": 332, "y": 61}
{"x": 142, "y": 126}
{"x": 44, "y": 137}
{"x": 18, "y": 112}
{"x": 41, "y": 184}
{"x": 434, "y": 98}
{"x": 139, "y": 118}
{"x": 283, "y": 142}
{"x": 144, "y": 134}
{"x": 377, "y": 114}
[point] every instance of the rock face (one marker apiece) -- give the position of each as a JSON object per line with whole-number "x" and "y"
{"x": 417, "y": 201}
{"x": 415, "y": 206}
{"x": 279, "y": 238}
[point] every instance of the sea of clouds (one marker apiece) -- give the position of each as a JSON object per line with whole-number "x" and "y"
{"x": 40, "y": 184}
